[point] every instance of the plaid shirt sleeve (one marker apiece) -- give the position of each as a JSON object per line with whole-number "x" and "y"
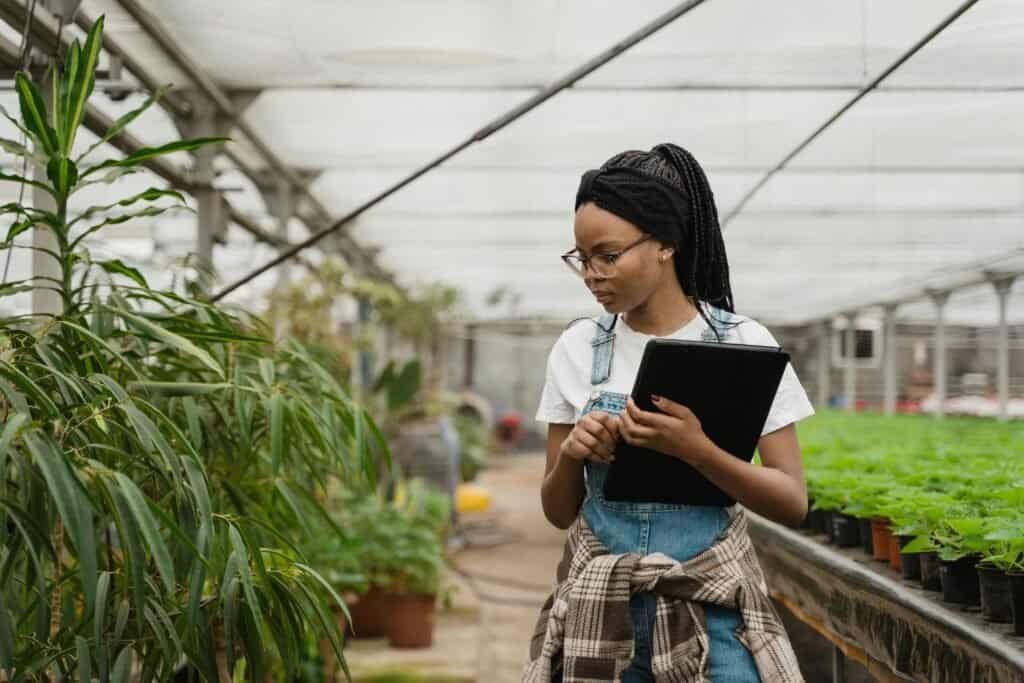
{"x": 585, "y": 625}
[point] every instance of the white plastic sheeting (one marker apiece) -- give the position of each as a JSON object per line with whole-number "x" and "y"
{"x": 920, "y": 179}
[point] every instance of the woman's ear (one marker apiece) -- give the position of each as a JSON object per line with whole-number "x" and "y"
{"x": 666, "y": 254}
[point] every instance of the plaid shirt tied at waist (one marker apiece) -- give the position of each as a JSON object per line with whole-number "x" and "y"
{"x": 586, "y": 620}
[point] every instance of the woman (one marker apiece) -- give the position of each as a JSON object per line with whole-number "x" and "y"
{"x": 650, "y": 249}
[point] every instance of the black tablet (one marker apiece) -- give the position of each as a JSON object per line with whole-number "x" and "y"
{"x": 729, "y": 387}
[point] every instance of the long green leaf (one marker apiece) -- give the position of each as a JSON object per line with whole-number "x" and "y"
{"x": 230, "y": 604}
{"x": 147, "y": 524}
{"x": 126, "y": 119}
{"x": 150, "y": 194}
{"x": 84, "y": 659}
{"x": 99, "y": 626}
{"x": 277, "y": 429}
{"x": 147, "y": 153}
{"x": 149, "y": 211}
{"x": 244, "y": 571}
{"x": 118, "y": 267}
{"x": 22, "y": 180}
{"x": 123, "y": 666}
{"x": 168, "y": 389}
{"x": 11, "y": 428}
{"x": 85, "y": 77}
{"x": 33, "y": 112}
{"x": 173, "y": 340}
{"x": 28, "y": 386}
{"x": 6, "y": 636}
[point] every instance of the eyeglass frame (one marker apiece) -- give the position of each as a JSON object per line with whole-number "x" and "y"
{"x": 585, "y": 260}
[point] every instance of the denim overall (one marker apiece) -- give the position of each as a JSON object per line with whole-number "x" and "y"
{"x": 679, "y": 531}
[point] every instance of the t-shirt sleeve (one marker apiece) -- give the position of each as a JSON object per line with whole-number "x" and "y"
{"x": 554, "y": 408}
{"x": 791, "y": 403}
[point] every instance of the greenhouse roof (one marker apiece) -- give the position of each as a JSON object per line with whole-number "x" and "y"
{"x": 918, "y": 184}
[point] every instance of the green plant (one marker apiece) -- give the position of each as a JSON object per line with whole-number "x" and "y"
{"x": 957, "y": 487}
{"x": 159, "y": 457}
{"x": 401, "y": 539}
{"x": 474, "y": 445}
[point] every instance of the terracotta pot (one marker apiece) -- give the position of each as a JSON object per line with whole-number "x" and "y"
{"x": 371, "y": 614}
{"x": 894, "y": 553}
{"x": 880, "y": 536}
{"x": 412, "y": 621}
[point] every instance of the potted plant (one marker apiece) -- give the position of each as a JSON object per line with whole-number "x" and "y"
{"x": 419, "y": 564}
{"x": 961, "y": 542}
{"x": 158, "y": 455}
{"x": 1004, "y": 555}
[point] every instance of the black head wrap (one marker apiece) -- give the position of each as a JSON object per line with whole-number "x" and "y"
{"x": 648, "y": 202}
{"x": 665, "y": 193}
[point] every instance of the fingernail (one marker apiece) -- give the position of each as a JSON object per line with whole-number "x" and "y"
{"x": 655, "y": 398}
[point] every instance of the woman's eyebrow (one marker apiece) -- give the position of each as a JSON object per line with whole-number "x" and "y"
{"x": 598, "y": 246}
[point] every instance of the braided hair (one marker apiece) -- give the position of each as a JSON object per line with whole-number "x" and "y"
{"x": 665, "y": 193}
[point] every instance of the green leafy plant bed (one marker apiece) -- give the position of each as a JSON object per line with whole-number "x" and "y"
{"x": 953, "y": 487}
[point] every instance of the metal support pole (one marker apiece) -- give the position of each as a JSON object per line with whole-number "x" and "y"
{"x": 44, "y": 299}
{"x": 939, "y": 298}
{"x": 212, "y": 219}
{"x": 824, "y": 362}
{"x": 889, "y": 359}
{"x": 838, "y": 665}
{"x": 850, "y": 363}
{"x": 1002, "y": 286}
{"x": 469, "y": 357}
{"x": 365, "y": 356}
{"x": 281, "y": 202}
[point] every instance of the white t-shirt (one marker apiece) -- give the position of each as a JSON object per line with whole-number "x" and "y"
{"x": 567, "y": 387}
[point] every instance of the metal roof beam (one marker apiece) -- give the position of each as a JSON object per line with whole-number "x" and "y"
{"x": 224, "y": 104}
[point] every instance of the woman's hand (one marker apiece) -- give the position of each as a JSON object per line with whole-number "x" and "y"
{"x": 593, "y": 438}
{"x": 676, "y": 431}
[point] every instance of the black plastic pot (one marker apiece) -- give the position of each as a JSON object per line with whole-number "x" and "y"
{"x": 1017, "y": 601}
{"x": 864, "y": 526}
{"x": 845, "y": 530}
{"x": 930, "y": 580}
{"x": 910, "y": 563}
{"x": 959, "y": 580}
{"x": 817, "y": 521}
{"x": 827, "y": 522}
{"x": 995, "y": 594}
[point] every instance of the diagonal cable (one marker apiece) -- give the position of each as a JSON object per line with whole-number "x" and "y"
{"x": 849, "y": 105}
{"x": 480, "y": 135}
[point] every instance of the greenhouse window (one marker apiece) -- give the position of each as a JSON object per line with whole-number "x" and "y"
{"x": 867, "y": 345}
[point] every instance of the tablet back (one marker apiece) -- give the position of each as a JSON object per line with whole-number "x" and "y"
{"x": 729, "y": 387}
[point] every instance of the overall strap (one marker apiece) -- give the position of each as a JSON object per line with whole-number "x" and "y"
{"x": 603, "y": 343}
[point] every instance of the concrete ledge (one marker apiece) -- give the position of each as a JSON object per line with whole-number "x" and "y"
{"x": 897, "y": 630}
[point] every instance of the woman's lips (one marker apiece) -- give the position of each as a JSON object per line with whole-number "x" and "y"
{"x": 604, "y": 297}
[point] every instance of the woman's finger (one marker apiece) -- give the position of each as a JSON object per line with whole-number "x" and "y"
{"x": 639, "y": 416}
{"x": 601, "y": 422}
{"x": 594, "y": 445}
{"x": 601, "y": 431}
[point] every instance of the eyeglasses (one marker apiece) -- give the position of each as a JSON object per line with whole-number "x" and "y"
{"x": 603, "y": 265}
